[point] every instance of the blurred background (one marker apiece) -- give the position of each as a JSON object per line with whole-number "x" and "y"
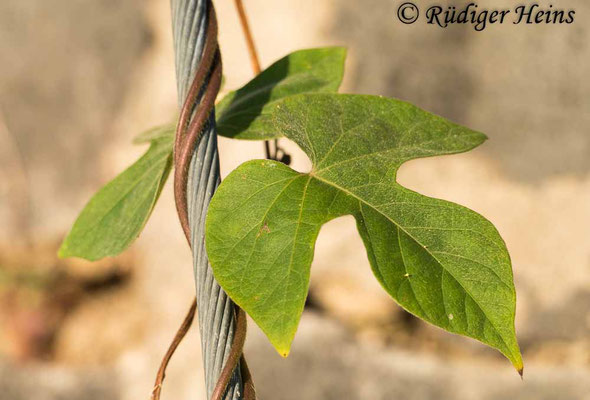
{"x": 80, "y": 78}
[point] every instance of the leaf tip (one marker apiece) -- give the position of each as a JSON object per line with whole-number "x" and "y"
{"x": 519, "y": 366}
{"x": 67, "y": 251}
{"x": 479, "y": 138}
{"x": 281, "y": 345}
{"x": 283, "y": 349}
{"x": 64, "y": 250}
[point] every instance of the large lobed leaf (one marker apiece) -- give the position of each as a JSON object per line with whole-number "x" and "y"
{"x": 440, "y": 261}
{"x": 244, "y": 114}
{"x": 115, "y": 216}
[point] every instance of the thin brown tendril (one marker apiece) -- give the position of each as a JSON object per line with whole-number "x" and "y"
{"x": 254, "y": 60}
{"x": 249, "y": 38}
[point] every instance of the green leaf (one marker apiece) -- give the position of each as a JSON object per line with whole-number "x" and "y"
{"x": 244, "y": 114}
{"x": 440, "y": 261}
{"x": 155, "y": 133}
{"x": 115, "y": 216}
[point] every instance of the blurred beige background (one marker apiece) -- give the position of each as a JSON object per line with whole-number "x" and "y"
{"x": 80, "y": 78}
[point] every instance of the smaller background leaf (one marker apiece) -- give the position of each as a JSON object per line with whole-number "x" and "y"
{"x": 244, "y": 114}
{"x": 115, "y": 216}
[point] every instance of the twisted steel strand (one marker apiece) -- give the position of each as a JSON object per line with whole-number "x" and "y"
{"x": 222, "y": 323}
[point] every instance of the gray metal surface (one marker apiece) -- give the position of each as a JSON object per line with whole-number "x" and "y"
{"x": 215, "y": 308}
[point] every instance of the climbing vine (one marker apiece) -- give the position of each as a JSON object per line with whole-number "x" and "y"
{"x": 438, "y": 260}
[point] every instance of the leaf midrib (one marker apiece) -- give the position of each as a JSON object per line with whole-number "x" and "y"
{"x": 385, "y": 151}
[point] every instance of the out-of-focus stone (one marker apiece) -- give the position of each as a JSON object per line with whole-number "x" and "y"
{"x": 345, "y": 298}
{"x": 68, "y": 67}
{"x": 44, "y": 382}
{"x": 106, "y": 78}
{"x": 327, "y": 363}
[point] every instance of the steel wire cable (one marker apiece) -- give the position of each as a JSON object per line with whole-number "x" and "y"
{"x": 198, "y": 67}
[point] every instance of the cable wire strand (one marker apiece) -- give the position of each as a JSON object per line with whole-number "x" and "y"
{"x": 198, "y": 66}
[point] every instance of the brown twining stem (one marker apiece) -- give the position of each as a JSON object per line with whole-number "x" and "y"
{"x": 249, "y": 38}
{"x": 193, "y": 118}
{"x": 233, "y": 359}
{"x": 188, "y": 131}
{"x": 189, "y": 139}
{"x": 210, "y": 50}
{"x": 254, "y": 60}
{"x": 186, "y": 324}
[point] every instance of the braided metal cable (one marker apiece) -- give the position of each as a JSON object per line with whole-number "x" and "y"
{"x": 198, "y": 69}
